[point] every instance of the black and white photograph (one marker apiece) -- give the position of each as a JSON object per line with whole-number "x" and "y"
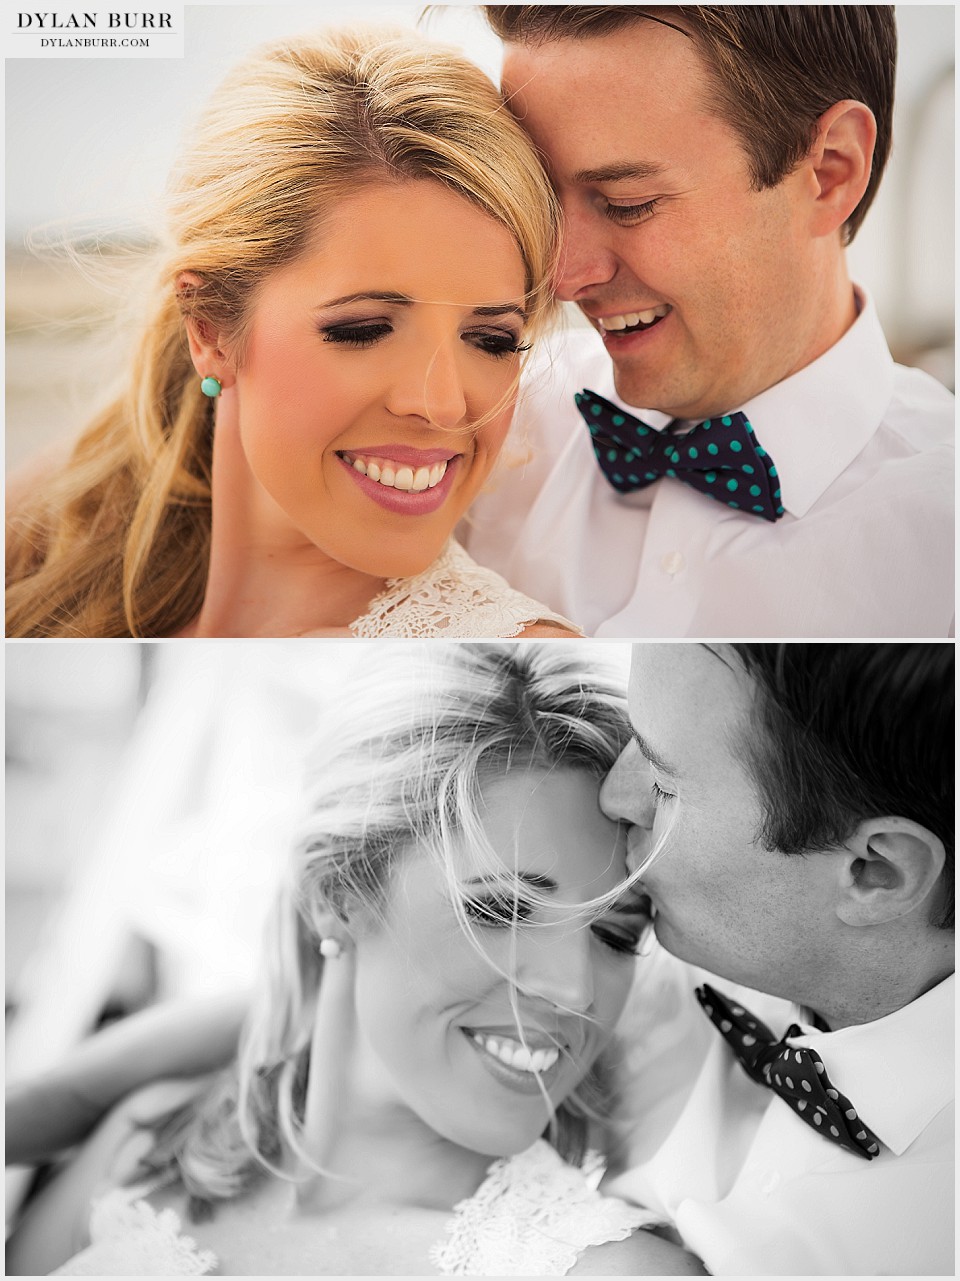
{"x": 494, "y": 959}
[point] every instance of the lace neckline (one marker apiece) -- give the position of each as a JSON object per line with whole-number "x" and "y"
{"x": 534, "y": 1215}
{"x": 454, "y": 598}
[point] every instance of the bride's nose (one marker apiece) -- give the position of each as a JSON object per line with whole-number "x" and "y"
{"x": 430, "y": 386}
{"x": 555, "y": 963}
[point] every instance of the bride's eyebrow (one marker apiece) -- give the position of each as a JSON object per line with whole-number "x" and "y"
{"x": 501, "y": 309}
{"x": 377, "y": 295}
{"x": 404, "y": 300}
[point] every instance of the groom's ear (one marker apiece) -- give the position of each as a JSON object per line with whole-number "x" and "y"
{"x": 837, "y": 167}
{"x": 890, "y": 868}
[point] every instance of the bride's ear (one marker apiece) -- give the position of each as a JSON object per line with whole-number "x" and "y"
{"x": 210, "y": 359}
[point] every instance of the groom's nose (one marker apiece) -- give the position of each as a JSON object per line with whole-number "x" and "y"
{"x": 585, "y": 260}
{"x": 625, "y": 794}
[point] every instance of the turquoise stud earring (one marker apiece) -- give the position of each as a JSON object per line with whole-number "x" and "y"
{"x": 211, "y": 387}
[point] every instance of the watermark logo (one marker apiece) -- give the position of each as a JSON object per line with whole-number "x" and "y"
{"x": 96, "y": 32}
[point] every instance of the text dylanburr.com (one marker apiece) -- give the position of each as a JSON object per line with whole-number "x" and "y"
{"x": 96, "y": 33}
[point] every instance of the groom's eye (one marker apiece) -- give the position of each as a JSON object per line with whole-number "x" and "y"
{"x": 631, "y": 215}
{"x": 659, "y": 795}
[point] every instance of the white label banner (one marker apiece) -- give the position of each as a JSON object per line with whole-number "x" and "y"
{"x": 95, "y": 32}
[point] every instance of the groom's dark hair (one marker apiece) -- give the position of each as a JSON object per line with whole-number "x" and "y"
{"x": 843, "y": 733}
{"x": 775, "y": 68}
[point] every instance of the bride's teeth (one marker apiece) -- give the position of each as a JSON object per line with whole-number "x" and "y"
{"x": 646, "y": 318}
{"x": 615, "y": 322}
{"x": 518, "y": 1056}
{"x": 399, "y": 477}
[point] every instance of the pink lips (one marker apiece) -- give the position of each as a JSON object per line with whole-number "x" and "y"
{"x": 406, "y": 502}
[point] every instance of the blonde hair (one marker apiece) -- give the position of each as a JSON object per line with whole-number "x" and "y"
{"x": 117, "y": 543}
{"x": 396, "y": 767}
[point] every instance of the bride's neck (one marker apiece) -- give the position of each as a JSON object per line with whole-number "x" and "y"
{"x": 265, "y": 577}
{"x": 374, "y": 1148}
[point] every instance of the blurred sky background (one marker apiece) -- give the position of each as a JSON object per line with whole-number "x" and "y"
{"x": 89, "y": 142}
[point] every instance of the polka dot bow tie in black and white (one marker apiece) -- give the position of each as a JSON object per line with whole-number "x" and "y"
{"x": 797, "y": 1075}
{"x": 721, "y": 457}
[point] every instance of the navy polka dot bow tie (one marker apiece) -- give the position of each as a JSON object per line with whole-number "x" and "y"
{"x": 721, "y": 457}
{"x": 797, "y": 1075}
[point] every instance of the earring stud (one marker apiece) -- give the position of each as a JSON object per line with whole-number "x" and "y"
{"x": 330, "y": 949}
{"x": 211, "y": 386}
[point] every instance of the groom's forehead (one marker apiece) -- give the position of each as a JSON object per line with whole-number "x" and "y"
{"x": 685, "y": 694}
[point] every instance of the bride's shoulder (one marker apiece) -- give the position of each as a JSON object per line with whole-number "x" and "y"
{"x": 643, "y": 1253}
{"x": 539, "y": 631}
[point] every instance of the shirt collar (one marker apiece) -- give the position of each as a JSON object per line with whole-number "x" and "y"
{"x": 814, "y": 423}
{"x": 897, "y": 1071}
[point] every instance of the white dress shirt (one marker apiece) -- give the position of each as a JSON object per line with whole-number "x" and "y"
{"x": 753, "y": 1189}
{"x": 864, "y": 450}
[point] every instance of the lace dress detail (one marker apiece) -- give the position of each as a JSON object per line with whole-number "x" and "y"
{"x": 456, "y": 599}
{"x": 128, "y": 1237}
{"x": 533, "y": 1216}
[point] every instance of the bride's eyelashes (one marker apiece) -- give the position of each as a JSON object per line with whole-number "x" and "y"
{"x": 354, "y": 335}
{"x": 497, "y": 342}
{"x": 618, "y": 937}
{"x": 493, "y": 342}
{"x": 496, "y": 911}
{"x": 499, "y": 912}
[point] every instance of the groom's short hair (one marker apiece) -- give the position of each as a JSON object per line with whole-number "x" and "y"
{"x": 775, "y": 68}
{"x": 842, "y": 733}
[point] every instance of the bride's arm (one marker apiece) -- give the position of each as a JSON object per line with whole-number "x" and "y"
{"x": 55, "y": 1224}
{"x": 52, "y": 1112}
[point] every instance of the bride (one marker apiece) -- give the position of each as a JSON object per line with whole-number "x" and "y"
{"x": 451, "y": 950}
{"x": 359, "y": 249}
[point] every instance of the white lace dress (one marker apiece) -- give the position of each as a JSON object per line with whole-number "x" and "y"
{"x": 456, "y": 599}
{"x": 532, "y": 1216}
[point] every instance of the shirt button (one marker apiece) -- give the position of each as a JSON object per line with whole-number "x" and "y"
{"x": 770, "y": 1183}
{"x": 672, "y": 563}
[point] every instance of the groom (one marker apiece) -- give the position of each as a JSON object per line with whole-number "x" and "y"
{"x": 713, "y": 162}
{"x": 801, "y": 800}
